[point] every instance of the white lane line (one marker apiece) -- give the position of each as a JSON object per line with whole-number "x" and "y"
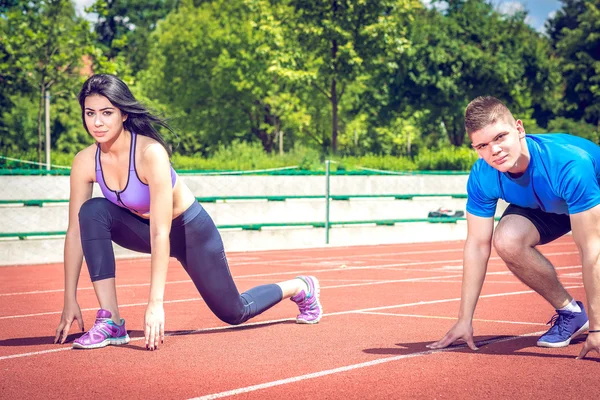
{"x": 451, "y": 318}
{"x": 322, "y": 280}
{"x": 34, "y": 353}
{"x": 358, "y": 257}
{"x": 460, "y": 281}
{"x": 420, "y": 303}
{"x": 269, "y": 253}
{"x": 459, "y": 243}
{"x": 135, "y": 339}
{"x": 460, "y": 248}
{"x": 293, "y": 260}
{"x": 427, "y": 279}
{"x": 381, "y": 282}
{"x": 351, "y": 367}
{"x": 250, "y": 276}
{"x": 280, "y": 273}
{"x": 291, "y": 319}
{"x": 96, "y": 308}
{"x": 129, "y": 285}
{"x": 200, "y": 299}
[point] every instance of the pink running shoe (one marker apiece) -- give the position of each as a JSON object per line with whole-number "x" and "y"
{"x": 308, "y": 303}
{"x": 103, "y": 333}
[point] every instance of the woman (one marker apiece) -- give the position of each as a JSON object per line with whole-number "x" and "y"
{"x": 147, "y": 207}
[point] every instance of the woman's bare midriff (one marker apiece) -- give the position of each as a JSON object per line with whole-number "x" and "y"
{"x": 182, "y": 200}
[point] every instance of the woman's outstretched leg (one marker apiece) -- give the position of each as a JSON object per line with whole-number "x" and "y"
{"x": 196, "y": 242}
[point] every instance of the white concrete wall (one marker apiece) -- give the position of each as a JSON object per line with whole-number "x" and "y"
{"x": 50, "y": 249}
{"x": 57, "y": 187}
{"x": 54, "y": 217}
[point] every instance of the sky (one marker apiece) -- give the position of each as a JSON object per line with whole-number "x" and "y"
{"x": 539, "y": 10}
{"x": 80, "y": 6}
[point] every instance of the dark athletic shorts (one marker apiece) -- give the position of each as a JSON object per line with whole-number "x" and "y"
{"x": 550, "y": 226}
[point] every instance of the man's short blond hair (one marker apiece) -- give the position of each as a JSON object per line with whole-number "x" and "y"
{"x": 484, "y": 111}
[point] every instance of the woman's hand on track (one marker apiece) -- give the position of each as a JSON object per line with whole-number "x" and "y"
{"x": 71, "y": 313}
{"x": 460, "y": 330}
{"x": 154, "y": 325}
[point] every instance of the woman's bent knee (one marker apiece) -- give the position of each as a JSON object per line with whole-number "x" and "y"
{"x": 232, "y": 319}
{"x": 94, "y": 207}
{"x": 95, "y": 219}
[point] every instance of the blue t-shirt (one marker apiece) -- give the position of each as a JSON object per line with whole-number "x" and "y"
{"x": 561, "y": 178}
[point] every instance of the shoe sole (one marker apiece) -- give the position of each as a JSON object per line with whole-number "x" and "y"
{"x": 107, "y": 342}
{"x": 566, "y": 342}
{"x": 317, "y": 295}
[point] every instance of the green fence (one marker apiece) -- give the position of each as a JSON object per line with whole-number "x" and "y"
{"x": 327, "y": 198}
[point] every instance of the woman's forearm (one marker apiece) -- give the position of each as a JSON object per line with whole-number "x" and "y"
{"x": 160, "y": 264}
{"x": 73, "y": 259}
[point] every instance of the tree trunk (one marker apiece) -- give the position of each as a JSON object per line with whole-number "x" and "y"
{"x": 334, "y": 115}
{"x": 455, "y": 130}
{"x": 458, "y": 132}
{"x": 39, "y": 124}
{"x": 267, "y": 139}
{"x": 279, "y": 134}
{"x": 333, "y": 94}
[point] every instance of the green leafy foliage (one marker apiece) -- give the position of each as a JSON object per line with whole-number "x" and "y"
{"x": 42, "y": 51}
{"x": 124, "y": 26}
{"x": 259, "y": 83}
{"x": 450, "y": 158}
{"x": 575, "y": 33}
{"x": 578, "y": 128}
{"x": 468, "y": 51}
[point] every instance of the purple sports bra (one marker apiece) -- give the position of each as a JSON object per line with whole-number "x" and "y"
{"x": 136, "y": 194}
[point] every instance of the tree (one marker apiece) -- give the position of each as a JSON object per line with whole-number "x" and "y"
{"x": 124, "y": 27}
{"x": 471, "y": 50}
{"x": 339, "y": 39}
{"x": 575, "y": 35}
{"x": 43, "y": 51}
{"x": 224, "y": 70}
{"x": 565, "y": 17}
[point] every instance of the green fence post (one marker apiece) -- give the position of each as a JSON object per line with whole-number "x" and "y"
{"x": 327, "y": 162}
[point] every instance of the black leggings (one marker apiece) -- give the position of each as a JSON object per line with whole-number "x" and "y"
{"x": 195, "y": 243}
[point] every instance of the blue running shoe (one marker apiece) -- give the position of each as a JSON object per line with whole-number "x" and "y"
{"x": 566, "y": 325}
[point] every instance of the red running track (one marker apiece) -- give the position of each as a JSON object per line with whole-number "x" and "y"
{"x": 382, "y": 305}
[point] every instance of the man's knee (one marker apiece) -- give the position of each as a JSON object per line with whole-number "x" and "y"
{"x": 509, "y": 245}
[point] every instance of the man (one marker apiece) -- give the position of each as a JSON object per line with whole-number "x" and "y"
{"x": 551, "y": 183}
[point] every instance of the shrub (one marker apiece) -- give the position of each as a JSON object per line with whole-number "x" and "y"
{"x": 446, "y": 159}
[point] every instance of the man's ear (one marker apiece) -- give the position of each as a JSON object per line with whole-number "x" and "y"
{"x": 520, "y": 129}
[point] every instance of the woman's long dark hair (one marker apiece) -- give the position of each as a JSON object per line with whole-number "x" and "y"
{"x": 139, "y": 119}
